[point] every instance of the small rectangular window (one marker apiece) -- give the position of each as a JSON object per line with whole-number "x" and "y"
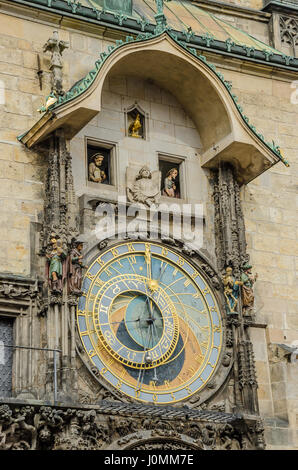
{"x": 171, "y": 169}
{"x": 100, "y": 163}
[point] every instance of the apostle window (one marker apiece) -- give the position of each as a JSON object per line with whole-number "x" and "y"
{"x": 171, "y": 169}
{"x": 100, "y": 162}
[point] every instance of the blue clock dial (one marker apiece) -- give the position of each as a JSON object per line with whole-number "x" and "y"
{"x": 149, "y": 322}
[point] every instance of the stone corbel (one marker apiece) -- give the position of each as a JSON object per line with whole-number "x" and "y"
{"x": 16, "y": 294}
{"x": 283, "y": 352}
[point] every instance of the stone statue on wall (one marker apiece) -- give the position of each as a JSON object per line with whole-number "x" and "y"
{"x": 143, "y": 188}
{"x": 56, "y": 47}
{"x": 56, "y": 269}
{"x": 96, "y": 174}
{"x": 248, "y": 281}
{"x": 231, "y": 290}
{"x": 75, "y": 268}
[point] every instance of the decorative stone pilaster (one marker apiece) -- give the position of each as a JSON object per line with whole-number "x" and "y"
{"x": 232, "y": 260}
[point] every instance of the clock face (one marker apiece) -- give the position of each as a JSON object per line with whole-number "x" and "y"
{"x": 149, "y": 322}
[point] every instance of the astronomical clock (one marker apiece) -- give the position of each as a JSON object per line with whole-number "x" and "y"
{"x": 150, "y": 323}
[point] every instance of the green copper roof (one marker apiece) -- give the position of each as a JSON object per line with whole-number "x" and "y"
{"x": 182, "y": 15}
{"x": 80, "y": 87}
{"x": 192, "y": 24}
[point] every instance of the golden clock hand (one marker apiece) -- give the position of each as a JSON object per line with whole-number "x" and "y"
{"x": 147, "y": 257}
{"x": 142, "y": 371}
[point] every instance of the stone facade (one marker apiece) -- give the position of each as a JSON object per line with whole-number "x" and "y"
{"x": 268, "y": 96}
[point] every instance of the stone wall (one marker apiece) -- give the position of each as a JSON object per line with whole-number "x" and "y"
{"x": 270, "y": 205}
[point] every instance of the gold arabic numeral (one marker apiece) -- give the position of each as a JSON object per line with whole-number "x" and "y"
{"x": 173, "y": 396}
{"x": 216, "y": 329}
{"x": 152, "y": 384}
{"x": 180, "y": 261}
{"x": 154, "y": 397}
{"x": 137, "y": 393}
{"x": 194, "y": 275}
{"x": 189, "y": 390}
{"x": 91, "y": 353}
{"x": 114, "y": 252}
{"x": 206, "y": 291}
{"x": 103, "y": 371}
{"x": 164, "y": 251}
{"x": 166, "y": 384}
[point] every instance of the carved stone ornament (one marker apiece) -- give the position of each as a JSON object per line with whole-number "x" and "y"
{"x": 289, "y": 31}
{"x": 16, "y": 294}
{"x": 113, "y": 426}
{"x": 143, "y": 187}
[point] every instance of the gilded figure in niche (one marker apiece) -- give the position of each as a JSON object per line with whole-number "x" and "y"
{"x": 170, "y": 188}
{"x": 135, "y": 128}
{"x": 56, "y": 268}
{"x": 96, "y": 174}
{"x": 135, "y": 123}
{"x": 145, "y": 187}
{"x": 231, "y": 290}
{"x": 248, "y": 281}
